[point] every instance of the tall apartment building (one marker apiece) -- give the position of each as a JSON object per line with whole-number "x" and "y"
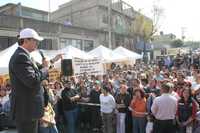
{"x": 94, "y": 14}
{"x": 22, "y": 11}
{"x": 14, "y": 17}
{"x": 82, "y": 23}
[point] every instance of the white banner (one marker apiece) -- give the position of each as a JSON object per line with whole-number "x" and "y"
{"x": 89, "y": 66}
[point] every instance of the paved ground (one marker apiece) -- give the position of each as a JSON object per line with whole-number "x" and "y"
{"x": 9, "y": 131}
{"x": 14, "y": 131}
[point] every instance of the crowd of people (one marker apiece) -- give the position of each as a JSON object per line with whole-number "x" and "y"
{"x": 161, "y": 97}
{"x": 130, "y": 99}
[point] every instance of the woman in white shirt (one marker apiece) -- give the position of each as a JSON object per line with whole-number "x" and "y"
{"x": 107, "y": 107}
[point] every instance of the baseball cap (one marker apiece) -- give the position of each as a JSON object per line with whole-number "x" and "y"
{"x": 29, "y": 33}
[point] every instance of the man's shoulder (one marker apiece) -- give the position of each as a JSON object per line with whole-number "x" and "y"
{"x": 173, "y": 98}
{"x": 158, "y": 98}
{"x": 101, "y": 95}
{"x": 14, "y": 57}
{"x": 111, "y": 96}
{"x": 18, "y": 53}
{"x": 165, "y": 96}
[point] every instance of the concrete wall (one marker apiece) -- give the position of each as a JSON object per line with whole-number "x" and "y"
{"x": 76, "y": 11}
{"x": 19, "y": 10}
{"x": 10, "y": 26}
{"x": 92, "y": 14}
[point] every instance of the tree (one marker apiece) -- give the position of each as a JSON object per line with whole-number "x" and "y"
{"x": 144, "y": 27}
{"x": 177, "y": 43}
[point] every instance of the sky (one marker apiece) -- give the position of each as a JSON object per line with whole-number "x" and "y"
{"x": 179, "y": 16}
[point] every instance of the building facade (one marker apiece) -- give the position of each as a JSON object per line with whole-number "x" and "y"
{"x": 81, "y": 23}
{"x": 22, "y": 11}
{"x": 94, "y": 14}
{"x": 56, "y": 35}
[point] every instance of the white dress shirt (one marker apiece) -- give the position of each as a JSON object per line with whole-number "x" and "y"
{"x": 175, "y": 95}
{"x": 164, "y": 107}
{"x": 25, "y": 50}
{"x": 43, "y": 70}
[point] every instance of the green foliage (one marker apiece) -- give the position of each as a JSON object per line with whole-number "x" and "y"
{"x": 142, "y": 27}
{"x": 145, "y": 27}
{"x": 177, "y": 43}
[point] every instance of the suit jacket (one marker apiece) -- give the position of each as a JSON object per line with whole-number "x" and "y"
{"x": 27, "y": 101}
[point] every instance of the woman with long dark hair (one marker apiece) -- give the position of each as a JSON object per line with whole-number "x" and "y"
{"x": 186, "y": 112}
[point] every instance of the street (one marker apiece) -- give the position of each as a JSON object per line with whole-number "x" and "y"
{"x": 9, "y": 131}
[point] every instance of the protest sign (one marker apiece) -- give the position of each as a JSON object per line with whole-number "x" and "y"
{"x": 89, "y": 66}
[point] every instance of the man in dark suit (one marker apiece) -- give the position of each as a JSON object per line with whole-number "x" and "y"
{"x": 27, "y": 100}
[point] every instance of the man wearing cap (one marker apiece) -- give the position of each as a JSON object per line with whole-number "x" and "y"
{"x": 27, "y": 100}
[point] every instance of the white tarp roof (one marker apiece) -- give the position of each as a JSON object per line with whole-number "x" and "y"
{"x": 125, "y": 52}
{"x": 5, "y": 56}
{"x": 72, "y": 52}
{"x": 106, "y": 54}
{"x": 69, "y": 52}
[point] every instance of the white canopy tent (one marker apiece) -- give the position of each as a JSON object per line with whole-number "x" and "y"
{"x": 72, "y": 52}
{"x": 5, "y": 56}
{"x": 106, "y": 54}
{"x": 127, "y": 53}
{"x": 69, "y": 53}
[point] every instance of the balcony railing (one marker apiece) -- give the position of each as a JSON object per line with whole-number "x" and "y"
{"x": 119, "y": 6}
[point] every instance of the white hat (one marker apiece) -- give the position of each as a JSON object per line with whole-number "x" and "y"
{"x": 29, "y": 33}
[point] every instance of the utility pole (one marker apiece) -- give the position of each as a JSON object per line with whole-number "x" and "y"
{"x": 20, "y": 9}
{"x": 49, "y": 11}
{"x": 110, "y": 23}
{"x": 183, "y": 33}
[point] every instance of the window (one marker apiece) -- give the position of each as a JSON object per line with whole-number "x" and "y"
{"x": 105, "y": 18}
{"x": 77, "y": 44}
{"x": 35, "y": 15}
{"x": 118, "y": 21}
{"x": 88, "y": 45}
{"x": 6, "y": 42}
{"x": 46, "y": 44}
{"x": 64, "y": 42}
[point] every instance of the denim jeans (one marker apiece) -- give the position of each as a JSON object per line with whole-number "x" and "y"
{"x": 71, "y": 118}
{"x": 51, "y": 129}
{"x": 121, "y": 122}
{"x": 139, "y": 124}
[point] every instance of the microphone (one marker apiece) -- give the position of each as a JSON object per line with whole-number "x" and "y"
{"x": 43, "y": 58}
{"x": 42, "y": 54}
